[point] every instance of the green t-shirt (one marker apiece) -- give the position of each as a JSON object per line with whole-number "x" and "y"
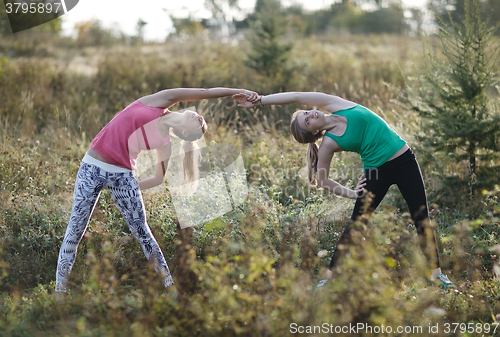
{"x": 369, "y": 135}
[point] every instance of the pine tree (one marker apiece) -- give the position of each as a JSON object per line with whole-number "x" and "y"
{"x": 461, "y": 118}
{"x": 269, "y": 53}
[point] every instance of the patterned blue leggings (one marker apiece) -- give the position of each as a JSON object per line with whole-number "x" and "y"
{"x": 125, "y": 191}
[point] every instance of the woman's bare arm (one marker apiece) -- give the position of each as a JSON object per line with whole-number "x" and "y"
{"x": 330, "y": 103}
{"x": 168, "y": 97}
{"x": 325, "y": 154}
{"x": 161, "y": 168}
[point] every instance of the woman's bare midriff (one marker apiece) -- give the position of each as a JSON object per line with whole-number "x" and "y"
{"x": 400, "y": 152}
{"x": 93, "y": 153}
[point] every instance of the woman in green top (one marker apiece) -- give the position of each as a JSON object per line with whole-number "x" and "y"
{"x": 387, "y": 160}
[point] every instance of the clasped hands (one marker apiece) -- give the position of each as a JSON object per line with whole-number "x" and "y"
{"x": 247, "y": 99}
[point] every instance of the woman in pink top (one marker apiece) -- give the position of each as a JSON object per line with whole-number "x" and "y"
{"x": 111, "y": 160}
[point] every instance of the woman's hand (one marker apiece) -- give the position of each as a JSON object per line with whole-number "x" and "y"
{"x": 247, "y": 99}
{"x": 360, "y": 185}
{"x": 252, "y": 96}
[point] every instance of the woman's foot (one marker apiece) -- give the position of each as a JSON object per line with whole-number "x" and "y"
{"x": 442, "y": 280}
{"x": 322, "y": 282}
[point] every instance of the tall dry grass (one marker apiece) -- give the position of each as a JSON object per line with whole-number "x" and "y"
{"x": 252, "y": 271}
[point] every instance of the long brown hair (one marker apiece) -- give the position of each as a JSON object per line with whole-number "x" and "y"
{"x": 306, "y": 137}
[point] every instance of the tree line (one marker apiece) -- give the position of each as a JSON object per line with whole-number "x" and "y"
{"x": 354, "y": 16}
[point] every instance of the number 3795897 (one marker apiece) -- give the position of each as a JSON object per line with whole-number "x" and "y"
{"x": 34, "y": 7}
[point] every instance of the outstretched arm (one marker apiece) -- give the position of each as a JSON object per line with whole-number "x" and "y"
{"x": 330, "y": 103}
{"x": 168, "y": 97}
{"x": 161, "y": 168}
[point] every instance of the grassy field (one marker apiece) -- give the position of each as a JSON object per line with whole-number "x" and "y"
{"x": 252, "y": 271}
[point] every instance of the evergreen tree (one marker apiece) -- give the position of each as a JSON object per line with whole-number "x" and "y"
{"x": 460, "y": 117}
{"x": 269, "y": 53}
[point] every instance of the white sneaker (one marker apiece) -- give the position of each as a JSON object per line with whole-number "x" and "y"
{"x": 323, "y": 282}
{"x": 443, "y": 281}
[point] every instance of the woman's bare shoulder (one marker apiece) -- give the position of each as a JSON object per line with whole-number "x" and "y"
{"x": 328, "y": 146}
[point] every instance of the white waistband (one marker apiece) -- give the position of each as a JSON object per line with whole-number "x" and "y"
{"x": 105, "y": 166}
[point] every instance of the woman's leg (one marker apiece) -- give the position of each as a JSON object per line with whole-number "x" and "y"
{"x": 126, "y": 194}
{"x": 412, "y": 188}
{"x": 88, "y": 186}
{"x": 377, "y": 183}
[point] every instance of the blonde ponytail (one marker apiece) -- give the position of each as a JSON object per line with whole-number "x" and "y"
{"x": 192, "y": 154}
{"x": 191, "y": 161}
{"x": 306, "y": 137}
{"x": 312, "y": 163}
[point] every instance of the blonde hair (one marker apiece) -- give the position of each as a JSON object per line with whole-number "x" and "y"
{"x": 192, "y": 155}
{"x": 306, "y": 137}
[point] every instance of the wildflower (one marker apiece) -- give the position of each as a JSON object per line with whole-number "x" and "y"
{"x": 322, "y": 253}
{"x": 208, "y": 216}
{"x": 235, "y": 287}
{"x": 235, "y": 131}
{"x": 37, "y": 142}
{"x": 164, "y": 206}
{"x": 272, "y": 140}
{"x": 263, "y": 133}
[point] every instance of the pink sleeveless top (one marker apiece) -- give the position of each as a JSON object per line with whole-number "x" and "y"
{"x": 132, "y": 130}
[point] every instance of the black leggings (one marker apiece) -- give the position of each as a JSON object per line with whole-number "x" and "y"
{"x": 404, "y": 172}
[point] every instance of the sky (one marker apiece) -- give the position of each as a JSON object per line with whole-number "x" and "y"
{"x": 123, "y": 15}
